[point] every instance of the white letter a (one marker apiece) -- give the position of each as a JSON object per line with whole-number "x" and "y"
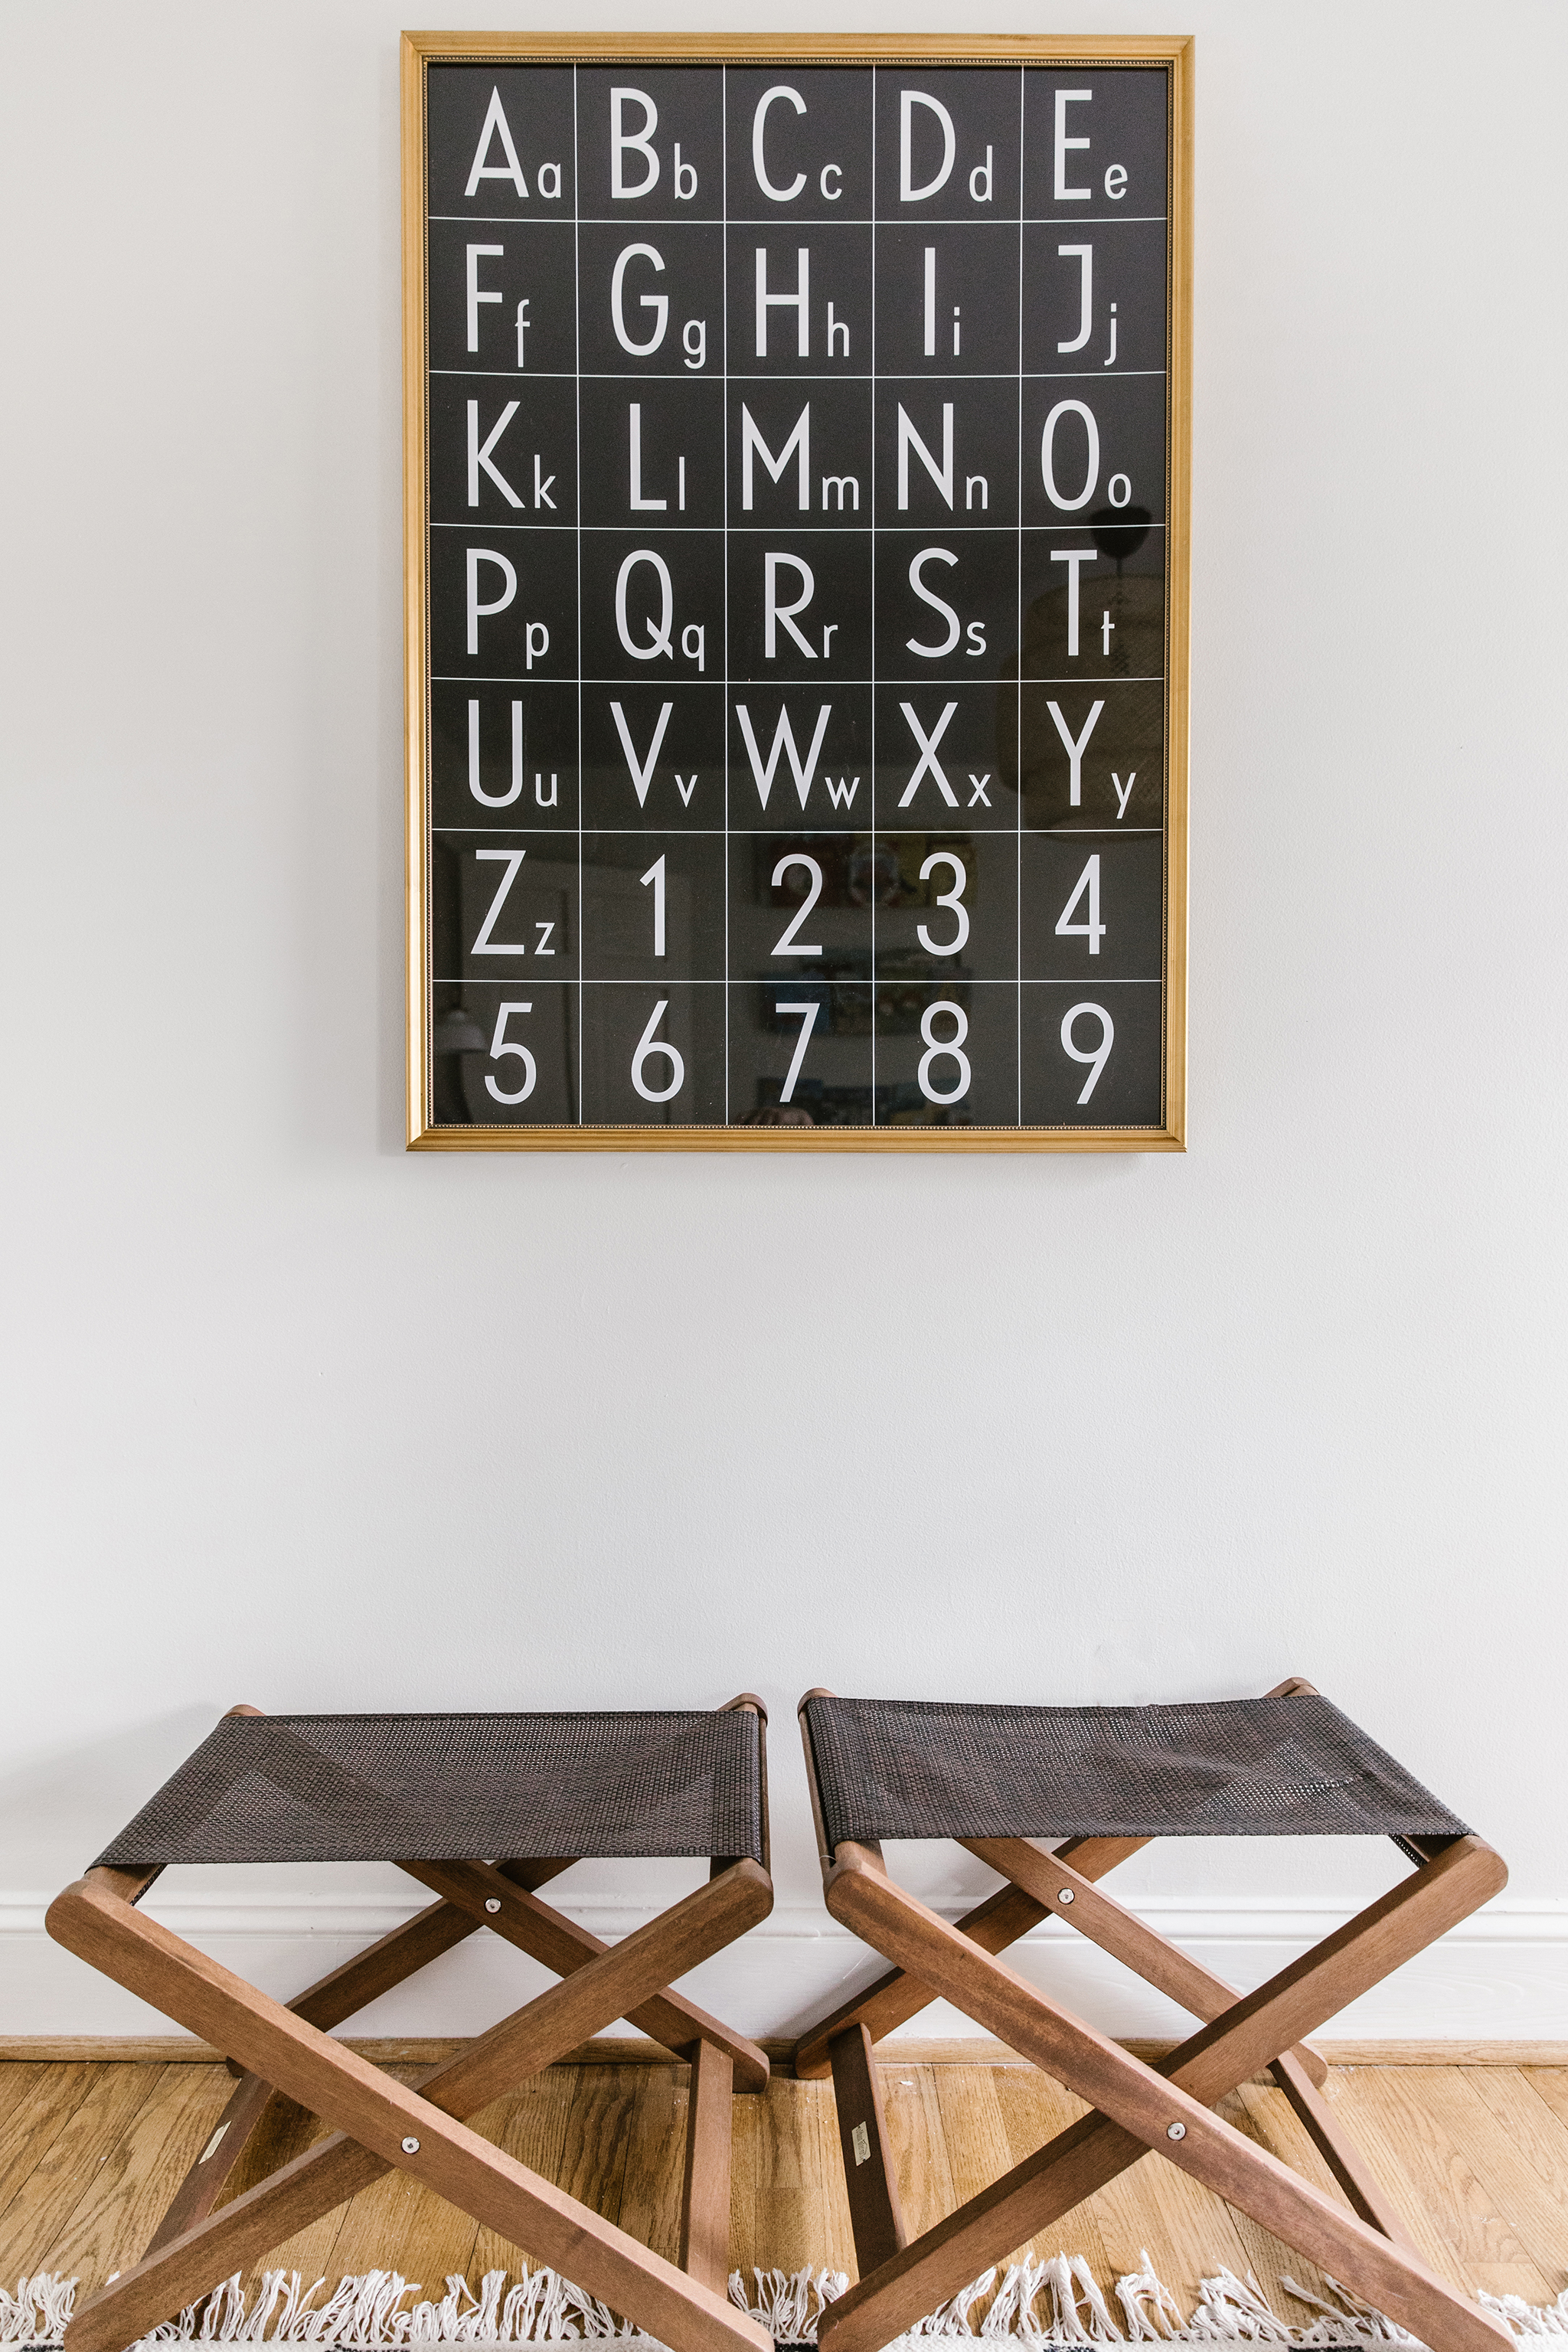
{"x": 511, "y": 169}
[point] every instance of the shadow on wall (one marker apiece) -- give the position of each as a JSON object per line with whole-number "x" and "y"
{"x": 62, "y": 1807}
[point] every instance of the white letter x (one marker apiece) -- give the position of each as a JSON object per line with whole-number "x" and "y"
{"x": 927, "y": 744}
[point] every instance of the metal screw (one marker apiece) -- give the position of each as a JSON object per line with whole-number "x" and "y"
{"x": 1172, "y": 2131}
{"x": 1065, "y": 1895}
{"x": 410, "y": 2147}
{"x": 492, "y": 1903}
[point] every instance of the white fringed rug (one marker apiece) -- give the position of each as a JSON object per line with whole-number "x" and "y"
{"x": 1036, "y": 2303}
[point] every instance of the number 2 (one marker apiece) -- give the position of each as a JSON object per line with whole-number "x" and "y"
{"x": 786, "y": 942}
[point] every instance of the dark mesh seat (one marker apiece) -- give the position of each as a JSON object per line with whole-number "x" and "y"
{"x": 430, "y": 1787}
{"x": 1288, "y": 1767}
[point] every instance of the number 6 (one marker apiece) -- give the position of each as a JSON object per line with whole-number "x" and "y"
{"x": 648, "y": 1047}
{"x": 1100, "y": 1053}
{"x": 500, "y": 1045}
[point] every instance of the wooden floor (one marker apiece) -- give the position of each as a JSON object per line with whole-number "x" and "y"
{"x": 1476, "y": 2155}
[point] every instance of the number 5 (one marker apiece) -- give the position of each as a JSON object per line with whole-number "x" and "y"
{"x": 500, "y": 1045}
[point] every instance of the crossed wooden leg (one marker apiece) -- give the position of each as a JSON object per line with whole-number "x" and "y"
{"x": 285, "y": 2051}
{"x": 1037, "y": 1882}
{"x": 1136, "y": 2109}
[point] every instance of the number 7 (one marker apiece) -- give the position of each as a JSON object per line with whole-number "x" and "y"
{"x": 808, "y": 1013}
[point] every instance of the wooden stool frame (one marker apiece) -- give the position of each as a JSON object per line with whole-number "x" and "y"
{"x": 284, "y": 2052}
{"x": 1136, "y": 2108}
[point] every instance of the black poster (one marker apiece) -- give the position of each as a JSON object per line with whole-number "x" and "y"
{"x": 798, "y": 598}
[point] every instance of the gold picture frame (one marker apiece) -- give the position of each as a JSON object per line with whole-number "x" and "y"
{"x": 419, "y": 51}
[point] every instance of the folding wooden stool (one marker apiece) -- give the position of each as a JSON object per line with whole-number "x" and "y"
{"x": 430, "y": 1793}
{"x": 1053, "y": 1798}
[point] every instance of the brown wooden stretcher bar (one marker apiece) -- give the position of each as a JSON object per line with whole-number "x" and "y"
{"x": 1286, "y": 1764}
{"x": 328, "y": 1788}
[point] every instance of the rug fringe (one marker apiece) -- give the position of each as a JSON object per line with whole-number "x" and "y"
{"x": 1058, "y": 2302}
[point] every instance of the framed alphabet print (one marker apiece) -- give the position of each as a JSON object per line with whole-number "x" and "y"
{"x": 796, "y": 489}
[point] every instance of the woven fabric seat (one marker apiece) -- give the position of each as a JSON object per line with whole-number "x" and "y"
{"x": 1237, "y": 1767}
{"x": 426, "y": 1788}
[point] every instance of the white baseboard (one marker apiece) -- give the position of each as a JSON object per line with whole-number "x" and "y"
{"x": 1501, "y": 1975}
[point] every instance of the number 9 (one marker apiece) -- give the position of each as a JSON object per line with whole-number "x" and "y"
{"x": 1100, "y": 1053}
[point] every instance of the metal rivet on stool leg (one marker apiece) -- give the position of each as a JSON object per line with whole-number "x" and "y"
{"x": 492, "y": 1903}
{"x": 410, "y": 2147}
{"x": 1065, "y": 1895}
{"x": 1172, "y": 2131}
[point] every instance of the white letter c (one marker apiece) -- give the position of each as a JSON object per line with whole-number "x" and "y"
{"x": 759, "y": 160}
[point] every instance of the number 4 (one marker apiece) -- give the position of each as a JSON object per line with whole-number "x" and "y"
{"x": 1093, "y": 929}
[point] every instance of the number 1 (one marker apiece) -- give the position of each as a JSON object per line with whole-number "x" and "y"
{"x": 808, "y": 1013}
{"x": 656, "y": 876}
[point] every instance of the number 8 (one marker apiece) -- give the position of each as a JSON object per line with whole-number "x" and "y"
{"x": 1100, "y": 1053}
{"x": 936, "y": 1048}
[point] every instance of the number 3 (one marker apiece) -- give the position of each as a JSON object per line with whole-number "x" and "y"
{"x": 953, "y": 898}
{"x": 501, "y": 1046}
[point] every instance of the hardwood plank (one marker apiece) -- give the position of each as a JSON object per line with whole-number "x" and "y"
{"x": 35, "y": 2217}
{"x": 1522, "y": 2159}
{"x": 1033, "y": 2110}
{"x": 787, "y": 2198}
{"x": 34, "y": 2110}
{"x": 1453, "y": 2223}
{"x": 656, "y": 2160}
{"x": 1550, "y": 2083}
{"x": 597, "y": 2131}
{"x": 529, "y": 2125}
{"x": 121, "y": 2204}
{"x": 917, "y": 2142}
{"x": 18, "y": 2085}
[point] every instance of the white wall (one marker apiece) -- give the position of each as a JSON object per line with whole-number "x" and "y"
{"x": 298, "y": 1419}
